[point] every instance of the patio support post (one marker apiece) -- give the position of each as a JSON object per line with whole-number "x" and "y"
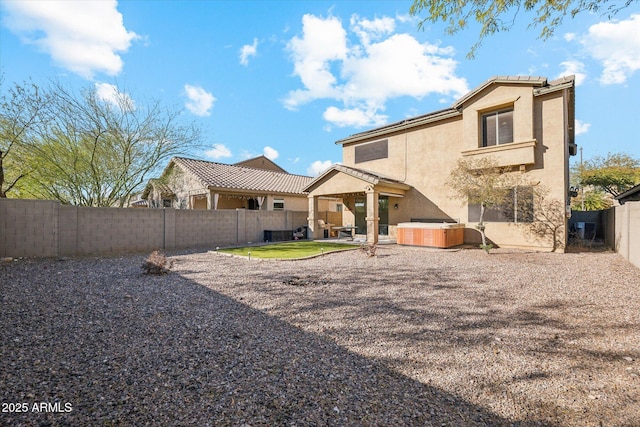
{"x": 372, "y": 215}
{"x": 312, "y": 218}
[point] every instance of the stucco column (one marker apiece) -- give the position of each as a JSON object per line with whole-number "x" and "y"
{"x": 315, "y": 231}
{"x": 372, "y": 216}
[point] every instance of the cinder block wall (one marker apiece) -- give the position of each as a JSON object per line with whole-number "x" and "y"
{"x": 29, "y": 228}
{"x": 42, "y": 228}
{"x": 197, "y": 228}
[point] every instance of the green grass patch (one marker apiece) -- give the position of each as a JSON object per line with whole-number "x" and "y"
{"x": 289, "y": 250}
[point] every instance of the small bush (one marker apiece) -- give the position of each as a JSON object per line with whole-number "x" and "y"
{"x": 486, "y": 248}
{"x": 157, "y": 263}
{"x": 369, "y": 250}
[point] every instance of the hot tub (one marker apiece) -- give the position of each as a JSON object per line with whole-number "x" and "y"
{"x": 436, "y": 235}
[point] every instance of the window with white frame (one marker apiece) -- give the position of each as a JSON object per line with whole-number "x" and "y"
{"x": 497, "y": 127}
{"x": 278, "y": 204}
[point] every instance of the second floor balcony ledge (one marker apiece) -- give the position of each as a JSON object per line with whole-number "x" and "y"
{"x": 511, "y": 154}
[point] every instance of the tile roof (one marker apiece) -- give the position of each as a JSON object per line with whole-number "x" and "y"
{"x": 541, "y": 85}
{"x": 160, "y": 185}
{"x": 234, "y": 177}
{"x": 528, "y": 80}
{"x": 367, "y": 176}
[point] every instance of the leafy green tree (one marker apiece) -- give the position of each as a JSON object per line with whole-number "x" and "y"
{"x": 85, "y": 150}
{"x": 499, "y": 16}
{"x": 22, "y": 110}
{"x": 614, "y": 174}
{"x": 594, "y": 200}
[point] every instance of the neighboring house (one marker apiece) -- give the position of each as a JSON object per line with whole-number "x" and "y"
{"x": 631, "y": 195}
{"x": 252, "y": 184}
{"x": 398, "y": 173}
{"x": 136, "y": 201}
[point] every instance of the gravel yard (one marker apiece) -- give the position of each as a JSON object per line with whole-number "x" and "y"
{"x": 413, "y": 336}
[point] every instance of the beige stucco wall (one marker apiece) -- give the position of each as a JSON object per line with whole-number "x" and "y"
{"x": 627, "y": 231}
{"x": 423, "y": 158}
{"x": 42, "y": 228}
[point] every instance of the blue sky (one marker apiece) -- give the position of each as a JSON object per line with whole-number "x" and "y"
{"x": 288, "y": 78}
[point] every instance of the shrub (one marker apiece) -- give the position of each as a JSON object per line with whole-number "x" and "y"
{"x": 486, "y": 248}
{"x": 157, "y": 263}
{"x": 370, "y": 250}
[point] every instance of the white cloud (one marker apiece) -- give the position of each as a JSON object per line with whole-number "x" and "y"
{"x": 318, "y": 167}
{"x": 367, "y": 30}
{"x": 581, "y": 127}
{"x": 270, "y": 153}
{"x": 357, "y": 117}
{"x": 200, "y": 101}
{"x": 616, "y": 44}
{"x": 362, "y": 74}
{"x": 323, "y": 41}
{"x": 109, "y": 93}
{"x": 218, "y": 151}
{"x": 573, "y": 67}
{"x": 246, "y": 154}
{"x": 84, "y": 37}
{"x": 570, "y": 37}
{"x": 248, "y": 50}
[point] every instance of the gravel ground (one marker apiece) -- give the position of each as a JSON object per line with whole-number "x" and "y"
{"x": 413, "y": 336}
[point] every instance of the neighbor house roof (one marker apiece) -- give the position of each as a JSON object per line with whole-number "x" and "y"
{"x": 234, "y": 177}
{"x": 261, "y": 162}
{"x": 160, "y": 185}
{"x": 631, "y": 195}
{"x": 541, "y": 84}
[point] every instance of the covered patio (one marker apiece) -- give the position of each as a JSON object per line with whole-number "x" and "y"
{"x": 367, "y": 198}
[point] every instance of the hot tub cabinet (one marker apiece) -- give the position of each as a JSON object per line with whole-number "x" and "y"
{"x": 436, "y": 235}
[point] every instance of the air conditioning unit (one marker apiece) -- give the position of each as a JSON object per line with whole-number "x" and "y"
{"x": 586, "y": 230}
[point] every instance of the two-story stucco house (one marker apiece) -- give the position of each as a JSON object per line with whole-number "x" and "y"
{"x": 398, "y": 173}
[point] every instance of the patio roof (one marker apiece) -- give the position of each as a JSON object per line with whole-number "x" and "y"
{"x": 372, "y": 178}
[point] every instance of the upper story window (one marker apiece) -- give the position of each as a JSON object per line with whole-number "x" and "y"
{"x": 372, "y": 151}
{"x": 497, "y": 128}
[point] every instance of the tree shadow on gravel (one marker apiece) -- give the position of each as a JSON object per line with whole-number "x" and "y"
{"x": 470, "y": 328}
{"x": 126, "y": 349}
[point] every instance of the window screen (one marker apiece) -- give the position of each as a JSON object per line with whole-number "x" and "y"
{"x": 497, "y": 128}
{"x": 372, "y": 151}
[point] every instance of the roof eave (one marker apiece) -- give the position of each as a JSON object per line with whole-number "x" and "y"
{"x": 400, "y": 126}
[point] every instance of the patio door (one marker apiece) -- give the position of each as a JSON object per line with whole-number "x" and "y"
{"x": 383, "y": 214}
{"x": 361, "y": 214}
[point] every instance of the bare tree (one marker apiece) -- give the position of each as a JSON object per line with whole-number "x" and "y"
{"x": 481, "y": 182}
{"x": 547, "y": 218}
{"x": 88, "y": 150}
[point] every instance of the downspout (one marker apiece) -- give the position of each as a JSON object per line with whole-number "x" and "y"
{"x": 406, "y": 155}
